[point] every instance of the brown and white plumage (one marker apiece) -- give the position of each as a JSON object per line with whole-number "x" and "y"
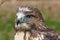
{"x": 29, "y": 25}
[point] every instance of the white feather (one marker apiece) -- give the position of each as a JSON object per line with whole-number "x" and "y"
{"x": 41, "y": 37}
{"x": 20, "y": 15}
{"x": 19, "y": 36}
{"x": 24, "y": 9}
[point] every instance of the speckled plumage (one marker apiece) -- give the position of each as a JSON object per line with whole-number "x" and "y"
{"x": 31, "y": 26}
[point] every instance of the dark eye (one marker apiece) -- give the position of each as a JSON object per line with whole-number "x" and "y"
{"x": 29, "y": 16}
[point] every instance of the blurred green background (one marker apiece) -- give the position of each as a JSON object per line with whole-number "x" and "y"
{"x": 49, "y": 9}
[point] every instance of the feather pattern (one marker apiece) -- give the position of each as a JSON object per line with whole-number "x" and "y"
{"x": 32, "y": 26}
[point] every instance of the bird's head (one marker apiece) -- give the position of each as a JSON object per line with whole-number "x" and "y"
{"x": 26, "y": 17}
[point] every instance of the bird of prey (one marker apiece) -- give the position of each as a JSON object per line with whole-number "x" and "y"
{"x": 29, "y": 25}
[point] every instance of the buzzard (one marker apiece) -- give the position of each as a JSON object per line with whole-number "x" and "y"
{"x": 29, "y": 25}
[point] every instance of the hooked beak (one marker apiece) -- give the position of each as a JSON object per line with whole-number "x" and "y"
{"x": 19, "y": 17}
{"x": 19, "y": 21}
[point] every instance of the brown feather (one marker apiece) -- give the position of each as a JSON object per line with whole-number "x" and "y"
{"x": 38, "y": 30}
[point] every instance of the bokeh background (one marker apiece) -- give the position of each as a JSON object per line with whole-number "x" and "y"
{"x": 50, "y": 10}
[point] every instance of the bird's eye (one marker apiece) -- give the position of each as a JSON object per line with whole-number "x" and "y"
{"x": 29, "y": 16}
